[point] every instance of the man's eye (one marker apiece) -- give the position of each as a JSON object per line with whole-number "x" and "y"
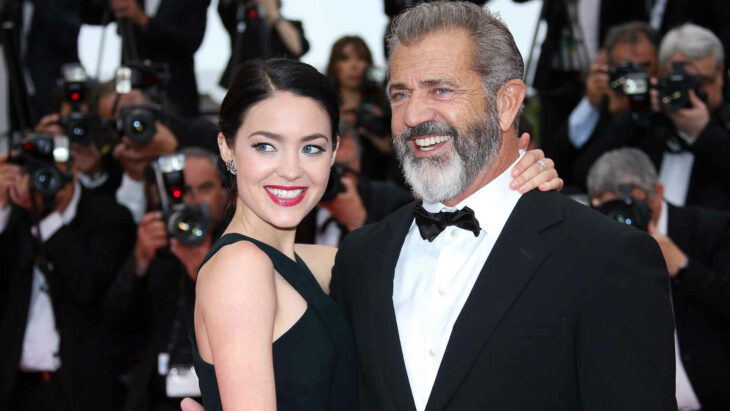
{"x": 312, "y": 149}
{"x": 263, "y": 147}
{"x": 398, "y": 96}
{"x": 442, "y": 91}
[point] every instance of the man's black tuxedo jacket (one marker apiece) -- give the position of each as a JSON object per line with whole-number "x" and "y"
{"x": 571, "y": 311}
{"x": 85, "y": 255}
{"x": 701, "y": 299}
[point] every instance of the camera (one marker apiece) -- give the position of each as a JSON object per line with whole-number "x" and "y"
{"x": 38, "y": 154}
{"x": 631, "y": 80}
{"x": 627, "y": 210}
{"x": 188, "y": 224}
{"x": 372, "y": 122}
{"x": 334, "y": 185}
{"x": 137, "y": 122}
{"x": 73, "y": 84}
{"x": 674, "y": 89}
{"x": 141, "y": 75}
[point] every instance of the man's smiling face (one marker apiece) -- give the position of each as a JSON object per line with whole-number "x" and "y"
{"x": 444, "y": 125}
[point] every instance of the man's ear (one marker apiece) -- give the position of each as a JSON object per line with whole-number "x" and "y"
{"x": 226, "y": 152}
{"x": 509, "y": 101}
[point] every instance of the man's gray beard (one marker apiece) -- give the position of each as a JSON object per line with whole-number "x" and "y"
{"x": 444, "y": 177}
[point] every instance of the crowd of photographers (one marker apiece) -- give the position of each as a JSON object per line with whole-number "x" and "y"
{"x": 111, "y": 193}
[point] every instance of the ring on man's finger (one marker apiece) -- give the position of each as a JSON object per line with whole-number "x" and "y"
{"x": 542, "y": 165}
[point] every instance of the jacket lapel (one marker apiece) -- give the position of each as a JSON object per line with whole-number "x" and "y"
{"x": 516, "y": 255}
{"x": 383, "y": 324}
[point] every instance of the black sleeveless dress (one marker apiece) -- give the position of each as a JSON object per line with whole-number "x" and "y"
{"x": 314, "y": 361}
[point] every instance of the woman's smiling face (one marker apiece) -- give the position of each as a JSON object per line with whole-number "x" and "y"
{"x": 283, "y": 151}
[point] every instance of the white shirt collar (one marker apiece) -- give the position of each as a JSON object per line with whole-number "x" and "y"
{"x": 70, "y": 212}
{"x": 492, "y": 204}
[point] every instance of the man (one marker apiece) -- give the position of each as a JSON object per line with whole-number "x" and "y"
{"x": 154, "y": 292}
{"x": 695, "y": 243}
{"x": 538, "y": 303}
{"x": 59, "y": 254}
{"x": 576, "y": 30}
{"x": 689, "y": 145}
{"x": 633, "y": 42}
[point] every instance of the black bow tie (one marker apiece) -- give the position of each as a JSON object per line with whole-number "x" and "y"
{"x": 431, "y": 225}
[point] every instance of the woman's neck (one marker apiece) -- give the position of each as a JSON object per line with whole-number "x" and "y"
{"x": 246, "y": 222}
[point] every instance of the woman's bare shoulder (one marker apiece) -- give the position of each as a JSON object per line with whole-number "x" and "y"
{"x": 319, "y": 259}
{"x": 238, "y": 263}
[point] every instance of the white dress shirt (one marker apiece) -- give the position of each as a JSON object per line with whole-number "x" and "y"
{"x": 434, "y": 279}
{"x": 686, "y": 397}
{"x": 131, "y": 195}
{"x": 41, "y": 340}
{"x": 676, "y": 172}
{"x": 581, "y": 123}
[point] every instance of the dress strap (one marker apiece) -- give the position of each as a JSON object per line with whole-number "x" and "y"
{"x": 296, "y": 273}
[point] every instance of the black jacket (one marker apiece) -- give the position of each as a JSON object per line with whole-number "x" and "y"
{"x": 709, "y": 185}
{"x": 560, "y": 318}
{"x": 84, "y": 257}
{"x": 701, "y": 297}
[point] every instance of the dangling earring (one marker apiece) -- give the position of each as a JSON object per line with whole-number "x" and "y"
{"x": 231, "y": 166}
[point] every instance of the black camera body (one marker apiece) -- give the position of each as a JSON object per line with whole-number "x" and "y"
{"x": 627, "y": 210}
{"x": 77, "y": 126}
{"x": 631, "y": 80}
{"x": 371, "y": 121}
{"x": 137, "y": 122}
{"x": 186, "y": 223}
{"x": 674, "y": 89}
{"x": 334, "y": 184}
{"x": 38, "y": 154}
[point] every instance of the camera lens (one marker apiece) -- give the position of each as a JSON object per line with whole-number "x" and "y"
{"x": 47, "y": 181}
{"x": 139, "y": 124}
{"x": 188, "y": 225}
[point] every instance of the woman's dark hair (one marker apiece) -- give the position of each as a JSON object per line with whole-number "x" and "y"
{"x": 257, "y": 80}
{"x": 338, "y": 54}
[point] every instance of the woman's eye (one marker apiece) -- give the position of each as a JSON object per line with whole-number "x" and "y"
{"x": 266, "y": 147}
{"x": 312, "y": 149}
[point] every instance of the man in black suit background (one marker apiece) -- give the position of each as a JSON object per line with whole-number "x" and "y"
{"x": 689, "y": 146}
{"x": 59, "y": 256}
{"x": 695, "y": 243}
{"x": 538, "y": 303}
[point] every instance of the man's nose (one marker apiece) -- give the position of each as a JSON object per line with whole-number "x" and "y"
{"x": 418, "y": 110}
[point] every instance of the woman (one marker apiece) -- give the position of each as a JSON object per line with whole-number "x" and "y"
{"x": 364, "y": 105}
{"x": 262, "y": 318}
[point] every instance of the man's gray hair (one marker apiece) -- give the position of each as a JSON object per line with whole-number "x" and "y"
{"x": 693, "y": 41}
{"x": 200, "y": 152}
{"x": 622, "y": 166}
{"x": 495, "y": 56}
{"x": 631, "y": 33}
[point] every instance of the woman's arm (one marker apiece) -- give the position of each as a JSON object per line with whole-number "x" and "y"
{"x": 235, "y": 310}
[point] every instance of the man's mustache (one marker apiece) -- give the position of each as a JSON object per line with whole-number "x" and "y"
{"x": 429, "y": 128}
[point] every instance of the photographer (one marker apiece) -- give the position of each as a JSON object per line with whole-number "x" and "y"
{"x": 354, "y": 201}
{"x": 695, "y": 243}
{"x": 633, "y": 42}
{"x": 364, "y": 105}
{"x": 687, "y": 132}
{"x": 60, "y": 248}
{"x": 171, "y": 133}
{"x": 154, "y": 292}
{"x": 258, "y": 30}
{"x": 163, "y": 31}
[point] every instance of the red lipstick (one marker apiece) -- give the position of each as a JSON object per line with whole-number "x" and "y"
{"x": 286, "y": 202}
